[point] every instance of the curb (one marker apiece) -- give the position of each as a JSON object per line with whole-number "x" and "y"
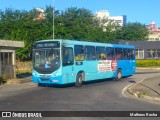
{"x": 138, "y": 95}
{"x": 147, "y": 68}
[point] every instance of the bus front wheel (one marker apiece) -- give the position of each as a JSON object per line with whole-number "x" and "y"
{"x": 79, "y": 80}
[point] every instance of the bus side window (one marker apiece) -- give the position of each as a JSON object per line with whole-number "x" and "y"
{"x": 101, "y": 53}
{"x": 79, "y": 52}
{"x": 129, "y": 54}
{"x": 126, "y": 54}
{"x": 119, "y": 53}
{"x": 133, "y": 54}
{"x": 110, "y": 53}
{"x": 68, "y": 56}
{"x": 90, "y": 53}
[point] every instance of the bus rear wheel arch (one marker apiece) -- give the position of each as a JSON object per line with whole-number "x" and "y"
{"x": 79, "y": 79}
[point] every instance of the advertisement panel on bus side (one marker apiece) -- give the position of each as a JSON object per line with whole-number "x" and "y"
{"x": 107, "y": 65}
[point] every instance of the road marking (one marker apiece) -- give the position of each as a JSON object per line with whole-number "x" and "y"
{"x": 125, "y": 89}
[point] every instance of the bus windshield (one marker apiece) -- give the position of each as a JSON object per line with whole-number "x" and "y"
{"x": 46, "y": 61}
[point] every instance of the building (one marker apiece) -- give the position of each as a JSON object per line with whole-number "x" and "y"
{"x": 154, "y": 36}
{"x": 104, "y": 14}
{"x": 120, "y": 20}
{"x": 152, "y": 26}
{"x": 154, "y": 32}
{"x": 145, "y": 49}
{"x": 8, "y": 56}
{"x": 40, "y": 14}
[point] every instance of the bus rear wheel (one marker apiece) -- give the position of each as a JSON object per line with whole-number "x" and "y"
{"x": 119, "y": 74}
{"x": 79, "y": 80}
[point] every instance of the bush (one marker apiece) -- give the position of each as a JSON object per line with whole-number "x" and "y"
{"x": 147, "y": 63}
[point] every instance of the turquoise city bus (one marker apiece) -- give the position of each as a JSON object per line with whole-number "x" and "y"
{"x": 69, "y": 61}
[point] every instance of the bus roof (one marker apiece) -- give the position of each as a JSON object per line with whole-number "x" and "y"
{"x": 74, "y": 42}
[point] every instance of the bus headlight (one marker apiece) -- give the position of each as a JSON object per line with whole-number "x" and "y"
{"x": 55, "y": 74}
{"x": 34, "y": 73}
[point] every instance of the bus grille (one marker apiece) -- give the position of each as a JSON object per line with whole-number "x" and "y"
{"x": 44, "y": 79}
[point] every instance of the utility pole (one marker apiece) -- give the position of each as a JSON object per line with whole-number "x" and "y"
{"x": 53, "y": 16}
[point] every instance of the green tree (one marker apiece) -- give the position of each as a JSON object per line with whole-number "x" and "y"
{"x": 81, "y": 24}
{"x": 132, "y": 31}
{"x": 73, "y": 23}
{"x": 21, "y": 25}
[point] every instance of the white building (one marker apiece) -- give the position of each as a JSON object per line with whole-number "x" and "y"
{"x": 104, "y": 14}
{"x": 154, "y": 32}
{"x": 121, "y": 20}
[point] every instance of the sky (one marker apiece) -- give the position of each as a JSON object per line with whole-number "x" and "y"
{"x": 143, "y": 11}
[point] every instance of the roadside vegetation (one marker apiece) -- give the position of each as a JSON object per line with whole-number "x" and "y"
{"x": 23, "y": 69}
{"x": 73, "y": 23}
{"x": 147, "y": 63}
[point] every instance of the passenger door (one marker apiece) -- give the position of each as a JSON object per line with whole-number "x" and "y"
{"x": 68, "y": 65}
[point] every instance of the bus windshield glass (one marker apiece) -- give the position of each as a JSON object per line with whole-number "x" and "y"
{"x": 46, "y": 61}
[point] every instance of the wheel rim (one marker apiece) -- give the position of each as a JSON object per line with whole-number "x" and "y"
{"x": 119, "y": 75}
{"x": 80, "y": 80}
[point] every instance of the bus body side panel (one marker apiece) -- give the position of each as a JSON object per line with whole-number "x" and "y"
{"x": 124, "y": 66}
{"x": 91, "y": 70}
{"x": 68, "y": 75}
{"x": 108, "y": 74}
{"x": 133, "y": 66}
{"x": 127, "y": 67}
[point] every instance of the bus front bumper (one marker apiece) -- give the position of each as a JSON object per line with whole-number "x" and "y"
{"x": 47, "y": 80}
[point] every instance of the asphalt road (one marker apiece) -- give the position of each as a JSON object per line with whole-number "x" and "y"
{"x": 98, "y": 96}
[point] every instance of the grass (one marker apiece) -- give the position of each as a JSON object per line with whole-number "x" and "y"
{"x": 142, "y": 93}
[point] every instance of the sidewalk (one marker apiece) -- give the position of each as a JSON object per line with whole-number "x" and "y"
{"x": 20, "y": 80}
{"x": 148, "y": 89}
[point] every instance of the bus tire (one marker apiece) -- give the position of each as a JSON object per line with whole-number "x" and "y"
{"x": 79, "y": 80}
{"x": 119, "y": 74}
